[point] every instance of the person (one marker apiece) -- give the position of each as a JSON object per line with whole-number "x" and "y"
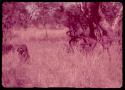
{"x": 23, "y": 53}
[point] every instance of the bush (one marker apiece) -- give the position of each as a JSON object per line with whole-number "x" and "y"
{"x": 89, "y": 21}
{"x": 6, "y": 48}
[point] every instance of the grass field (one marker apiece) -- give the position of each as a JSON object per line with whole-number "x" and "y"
{"x": 51, "y": 66}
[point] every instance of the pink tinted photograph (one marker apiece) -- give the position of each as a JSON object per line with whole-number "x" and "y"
{"x": 62, "y": 44}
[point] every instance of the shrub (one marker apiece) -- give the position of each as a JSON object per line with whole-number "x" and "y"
{"x": 89, "y": 21}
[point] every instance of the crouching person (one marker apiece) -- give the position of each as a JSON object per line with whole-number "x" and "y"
{"x": 23, "y": 53}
